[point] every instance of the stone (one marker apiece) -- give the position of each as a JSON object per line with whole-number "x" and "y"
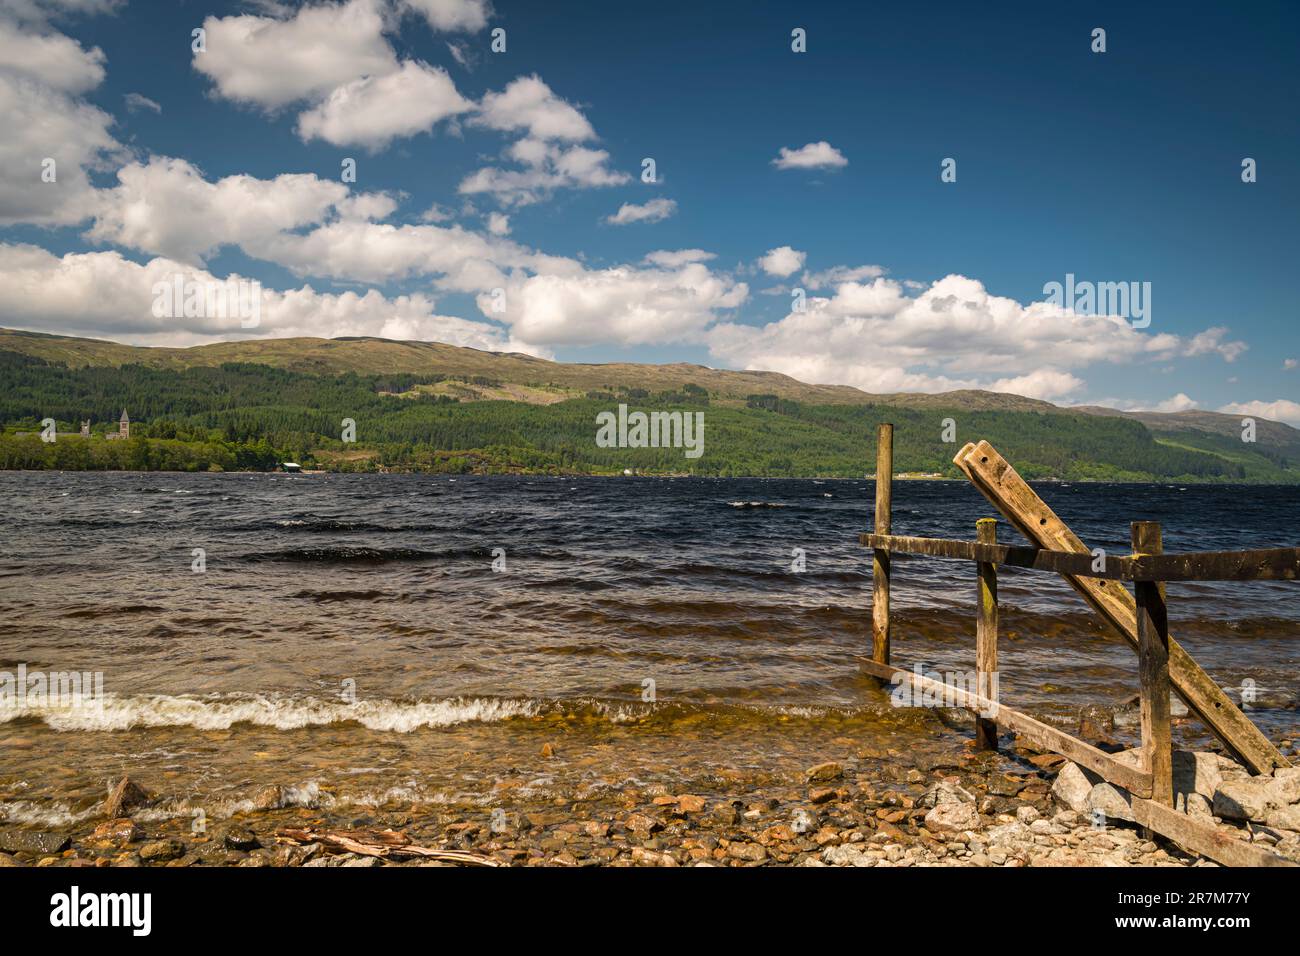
{"x": 1287, "y": 818}
{"x": 269, "y": 797}
{"x": 1249, "y": 798}
{"x": 1196, "y": 773}
{"x": 821, "y": 794}
{"x": 1111, "y": 801}
{"x": 643, "y": 824}
{"x": 548, "y": 750}
{"x": 363, "y": 861}
{"x": 824, "y": 772}
{"x": 124, "y": 830}
{"x": 1027, "y": 814}
{"x": 1195, "y": 805}
{"x": 160, "y": 851}
{"x": 43, "y": 842}
{"x": 1096, "y": 724}
{"x": 724, "y": 814}
{"x": 689, "y": 803}
{"x": 750, "y": 852}
{"x": 1072, "y": 788}
{"x": 125, "y": 797}
{"x": 945, "y": 791}
{"x": 949, "y": 817}
{"x": 6, "y": 860}
{"x": 242, "y": 839}
{"x": 846, "y": 855}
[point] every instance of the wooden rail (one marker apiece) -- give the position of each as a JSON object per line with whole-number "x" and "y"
{"x": 1141, "y": 619}
{"x": 1262, "y": 564}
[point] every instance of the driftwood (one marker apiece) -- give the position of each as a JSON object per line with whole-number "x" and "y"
{"x": 378, "y": 843}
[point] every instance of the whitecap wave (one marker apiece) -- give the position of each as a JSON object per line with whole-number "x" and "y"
{"x": 220, "y": 712}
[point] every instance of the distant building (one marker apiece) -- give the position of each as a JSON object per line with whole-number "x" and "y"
{"x": 85, "y": 428}
{"x": 123, "y": 427}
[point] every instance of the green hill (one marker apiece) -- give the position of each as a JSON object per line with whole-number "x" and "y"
{"x": 427, "y": 406}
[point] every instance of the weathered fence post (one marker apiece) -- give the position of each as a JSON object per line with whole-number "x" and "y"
{"x": 879, "y": 558}
{"x": 986, "y": 634}
{"x": 1153, "y": 668}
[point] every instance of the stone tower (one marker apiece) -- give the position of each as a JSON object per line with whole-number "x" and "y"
{"x": 124, "y": 426}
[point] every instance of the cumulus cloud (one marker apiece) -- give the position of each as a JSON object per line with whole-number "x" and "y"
{"x": 782, "y": 261}
{"x": 272, "y": 62}
{"x": 527, "y": 103}
{"x": 374, "y": 110}
{"x": 452, "y": 15}
{"x": 624, "y": 305}
{"x": 1045, "y": 383}
{"x": 51, "y": 59}
{"x": 545, "y": 168}
{"x": 1210, "y": 342}
{"x": 166, "y": 207}
{"x": 41, "y": 77}
{"x": 102, "y": 293}
{"x": 1181, "y": 402}
{"x": 498, "y": 224}
{"x": 1282, "y": 410}
{"x": 954, "y": 334}
{"x": 819, "y": 155}
{"x": 652, "y": 211}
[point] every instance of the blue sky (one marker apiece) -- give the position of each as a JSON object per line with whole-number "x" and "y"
{"x": 1122, "y": 166}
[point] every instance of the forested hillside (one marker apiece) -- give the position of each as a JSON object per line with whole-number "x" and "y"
{"x": 253, "y": 416}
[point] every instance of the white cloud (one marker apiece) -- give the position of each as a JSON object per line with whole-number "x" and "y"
{"x": 374, "y": 110}
{"x": 452, "y": 15}
{"x": 673, "y": 258}
{"x": 545, "y": 169}
{"x": 624, "y": 305}
{"x": 652, "y": 211}
{"x": 166, "y": 207}
{"x": 1289, "y": 364}
{"x": 138, "y": 101}
{"x": 1210, "y": 342}
{"x": 102, "y": 293}
{"x": 954, "y": 334}
{"x": 1282, "y": 410}
{"x": 273, "y": 62}
{"x": 40, "y": 75}
{"x": 820, "y": 155}
{"x": 527, "y": 103}
{"x": 1045, "y": 383}
{"x": 498, "y": 224}
{"x": 834, "y": 276}
{"x": 1178, "y": 403}
{"x": 782, "y": 261}
{"x": 51, "y": 59}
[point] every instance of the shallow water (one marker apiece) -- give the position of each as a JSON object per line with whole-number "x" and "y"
{"x": 351, "y": 638}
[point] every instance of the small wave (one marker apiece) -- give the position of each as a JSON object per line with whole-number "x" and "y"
{"x": 756, "y": 504}
{"x": 347, "y": 555}
{"x": 220, "y": 712}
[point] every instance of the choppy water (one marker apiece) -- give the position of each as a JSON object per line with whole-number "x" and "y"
{"x": 351, "y": 636}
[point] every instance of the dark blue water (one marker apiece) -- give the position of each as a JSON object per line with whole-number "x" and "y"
{"x": 370, "y": 605}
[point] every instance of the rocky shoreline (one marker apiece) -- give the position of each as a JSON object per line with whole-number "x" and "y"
{"x": 873, "y": 808}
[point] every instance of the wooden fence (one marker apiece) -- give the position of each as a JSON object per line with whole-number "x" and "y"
{"x": 1141, "y": 619}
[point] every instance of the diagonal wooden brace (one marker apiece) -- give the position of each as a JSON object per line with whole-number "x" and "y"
{"x": 1007, "y": 491}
